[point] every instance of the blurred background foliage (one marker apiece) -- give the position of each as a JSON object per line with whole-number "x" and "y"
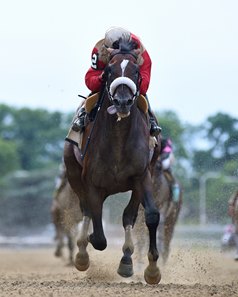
{"x": 31, "y": 147}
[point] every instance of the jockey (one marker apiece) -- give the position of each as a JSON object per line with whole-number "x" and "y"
{"x": 100, "y": 58}
{"x": 167, "y": 159}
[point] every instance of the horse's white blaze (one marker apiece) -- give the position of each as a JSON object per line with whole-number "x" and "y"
{"x": 123, "y": 81}
{"x": 123, "y": 66}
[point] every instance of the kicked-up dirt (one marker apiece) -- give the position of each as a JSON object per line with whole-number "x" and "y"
{"x": 190, "y": 272}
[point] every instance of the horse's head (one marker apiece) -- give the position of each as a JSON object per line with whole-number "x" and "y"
{"x": 122, "y": 78}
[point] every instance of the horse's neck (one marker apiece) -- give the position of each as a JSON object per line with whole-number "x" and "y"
{"x": 119, "y": 130}
{"x": 116, "y": 139}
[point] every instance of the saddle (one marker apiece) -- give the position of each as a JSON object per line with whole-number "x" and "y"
{"x": 92, "y": 100}
{"x": 90, "y": 105}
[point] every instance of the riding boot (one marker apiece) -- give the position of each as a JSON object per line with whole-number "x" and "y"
{"x": 79, "y": 121}
{"x": 155, "y": 129}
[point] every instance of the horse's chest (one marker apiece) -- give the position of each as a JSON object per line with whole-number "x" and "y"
{"x": 114, "y": 173}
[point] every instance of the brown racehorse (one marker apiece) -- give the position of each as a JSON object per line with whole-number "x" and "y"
{"x": 169, "y": 212}
{"x": 66, "y": 215}
{"x": 116, "y": 158}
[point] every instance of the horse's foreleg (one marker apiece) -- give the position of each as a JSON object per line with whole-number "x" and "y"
{"x": 125, "y": 268}
{"x": 60, "y": 241}
{"x": 161, "y": 235}
{"x": 152, "y": 273}
{"x": 169, "y": 226}
{"x": 59, "y": 234}
{"x": 71, "y": 244}
{"x": 97, "y": 238}
{"x": 82, "y": 257}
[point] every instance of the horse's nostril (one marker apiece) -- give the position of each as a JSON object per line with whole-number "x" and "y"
{"x": 129, "y": 102}
{"x": 116, "y": 102}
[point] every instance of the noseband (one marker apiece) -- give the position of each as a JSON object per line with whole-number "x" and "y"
{"x": 123, "y": 80}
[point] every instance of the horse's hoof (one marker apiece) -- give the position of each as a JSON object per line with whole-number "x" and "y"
{"x": 125, "y": 270}
{"x": 82, "y": 262}
{"x": 99, "y": 243}
{"x": 152, "y": 275}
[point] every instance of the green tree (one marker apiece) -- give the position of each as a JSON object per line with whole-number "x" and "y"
{"x": 38, "y": 135}
{"x": 216, "y": 150}
{"x": 25, "y": 200}
{"x": 221, "y": 134}
{"x": 173, "y": 128}
{"x": 8, "y": 157}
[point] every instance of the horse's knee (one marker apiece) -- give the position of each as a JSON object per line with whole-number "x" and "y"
{"x": 152, "y": 217}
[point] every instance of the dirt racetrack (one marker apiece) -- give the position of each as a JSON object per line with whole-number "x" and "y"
{"x": 191, "y": 272}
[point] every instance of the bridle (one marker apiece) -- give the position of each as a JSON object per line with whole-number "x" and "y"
{"x": 122, "y": 80}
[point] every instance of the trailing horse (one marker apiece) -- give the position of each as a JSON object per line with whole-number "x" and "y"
{"x": 116, "y": 156}
{"x": 66, "y": 215}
